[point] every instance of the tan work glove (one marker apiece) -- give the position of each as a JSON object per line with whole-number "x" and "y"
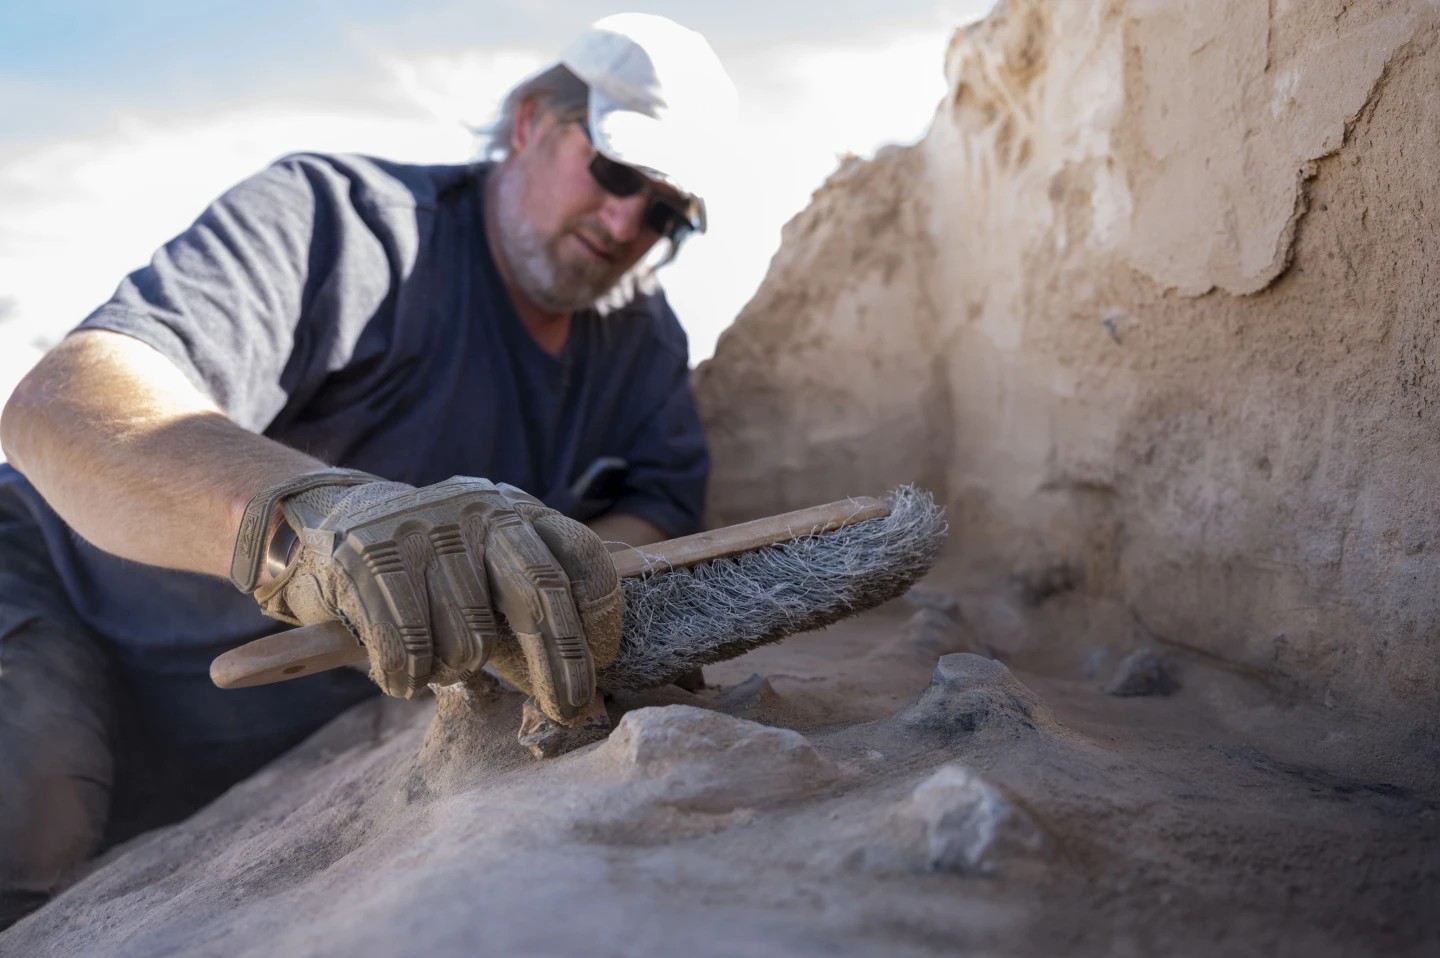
{"x": 419, "y": 575}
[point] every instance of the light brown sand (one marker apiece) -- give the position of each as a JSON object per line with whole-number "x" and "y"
{"x": 829, "y": 795}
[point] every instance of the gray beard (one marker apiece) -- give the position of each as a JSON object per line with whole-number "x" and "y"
{"x": 552, "y": 285}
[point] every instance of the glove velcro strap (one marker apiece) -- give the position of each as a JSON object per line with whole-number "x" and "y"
{"x": 249, "y": 553}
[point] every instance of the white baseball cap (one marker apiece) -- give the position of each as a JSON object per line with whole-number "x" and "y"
{"x": 660, "y": 100}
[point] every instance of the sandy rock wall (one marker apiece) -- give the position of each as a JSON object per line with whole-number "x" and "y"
{"x": 832, "y": 370}
{"x": 1155, "y": 307}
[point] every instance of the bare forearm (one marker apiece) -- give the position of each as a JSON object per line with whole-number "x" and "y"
{"x": 627, "y": 529}
{"x": 134, "y": 457}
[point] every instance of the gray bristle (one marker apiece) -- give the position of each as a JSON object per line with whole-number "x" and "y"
{"x": 677, "y": 621}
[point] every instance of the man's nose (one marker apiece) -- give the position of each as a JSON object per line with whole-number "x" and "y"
{"x": 623, "y": 216}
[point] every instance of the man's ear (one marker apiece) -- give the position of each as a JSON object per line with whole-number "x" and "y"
{"x": 527, "y": 122}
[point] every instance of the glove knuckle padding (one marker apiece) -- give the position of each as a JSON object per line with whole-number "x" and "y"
{"x": 532, "y": 591}
{"x": 594, "y": 584}
{"x": 375, "y": 556}
{"x": 413, "y": 569}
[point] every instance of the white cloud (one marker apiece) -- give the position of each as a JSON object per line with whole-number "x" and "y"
{"x": 463, "y": 89}
{"x": 803, "y": 108}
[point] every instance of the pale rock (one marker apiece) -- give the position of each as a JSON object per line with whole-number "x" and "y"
{"x": 971, "y": 826}
{"x": 705, "y": 761}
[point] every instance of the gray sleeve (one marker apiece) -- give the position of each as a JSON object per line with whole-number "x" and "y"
{"x": 224, "y": 300}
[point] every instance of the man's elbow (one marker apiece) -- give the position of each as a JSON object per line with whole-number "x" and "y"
{"x": 17, "y": 419}
{"x": 34, "y": 414}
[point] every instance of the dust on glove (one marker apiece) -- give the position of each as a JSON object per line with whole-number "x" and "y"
{"x": 438, "y": 580}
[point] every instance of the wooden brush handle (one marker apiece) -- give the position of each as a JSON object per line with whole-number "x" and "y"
{"x": 316, "y": 648}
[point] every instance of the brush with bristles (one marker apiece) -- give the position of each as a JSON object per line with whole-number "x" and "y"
{"x": 699, "y": 599}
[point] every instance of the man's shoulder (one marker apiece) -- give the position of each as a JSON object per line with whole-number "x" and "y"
{"x": 372, "y": 181}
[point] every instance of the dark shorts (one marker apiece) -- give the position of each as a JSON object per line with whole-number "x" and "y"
{"x": 95, "y": 747}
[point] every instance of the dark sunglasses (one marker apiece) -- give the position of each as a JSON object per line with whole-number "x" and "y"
{"x": 617, "y": 179}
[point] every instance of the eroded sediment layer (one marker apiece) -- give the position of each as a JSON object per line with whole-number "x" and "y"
{"x": 1153, "y": 308}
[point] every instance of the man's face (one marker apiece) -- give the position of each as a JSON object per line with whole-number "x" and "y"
{"x": 565, "y": 240}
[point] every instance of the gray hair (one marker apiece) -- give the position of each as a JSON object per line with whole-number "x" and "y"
{"x": 559, "y": 92}
{"x": 567, "y": 97}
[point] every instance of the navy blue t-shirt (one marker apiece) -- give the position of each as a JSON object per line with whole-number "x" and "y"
{"x": 350, "y": 308}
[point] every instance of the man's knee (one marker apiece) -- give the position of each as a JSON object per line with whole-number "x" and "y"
{"x": 56, "y": 760}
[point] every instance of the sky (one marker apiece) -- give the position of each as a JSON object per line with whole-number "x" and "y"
{"x": 119, "y": 121}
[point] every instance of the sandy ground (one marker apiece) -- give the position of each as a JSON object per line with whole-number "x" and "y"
{"x": 878, "y": 788}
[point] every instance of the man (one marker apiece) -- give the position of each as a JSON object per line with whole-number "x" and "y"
{"x": 280, "y": 399}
